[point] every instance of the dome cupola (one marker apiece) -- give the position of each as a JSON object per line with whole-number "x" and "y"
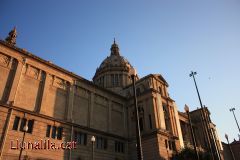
{"x": 113, "y": 72}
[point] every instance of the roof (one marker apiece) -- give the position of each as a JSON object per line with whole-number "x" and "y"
{"x": 31, "y": 55}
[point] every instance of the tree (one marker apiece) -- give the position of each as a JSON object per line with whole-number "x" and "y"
{"x": 189, "y": 154}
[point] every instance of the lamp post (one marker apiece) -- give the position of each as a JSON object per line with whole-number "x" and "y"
{"x": 204, "y": 123}
{"x": 133, "y": 74}
{"x": 25, "y": 129}
{"x": 93, "y": 139}
{"x": 230, "y": 148}
{"x": 192, "y": 132}
{"x": 232, "y": 110}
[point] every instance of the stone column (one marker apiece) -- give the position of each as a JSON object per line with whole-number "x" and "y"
{"x": 47, "y": 83}
{"x": 160, "y": 111}
{"x": 178, "y": 125}
{"x": 156, "y": 115}
{"x": 16, "y": 80}
{"x": 41, "y": 78}
{"x": 70, "y": 102}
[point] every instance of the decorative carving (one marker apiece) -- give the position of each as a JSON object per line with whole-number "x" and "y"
{"x": 100, "y": 100}
{"x": 4, "y": 60}
{"x": 60, "y": 83}
{"x": 33, "y": 72}
{"x": 12, "y": 36}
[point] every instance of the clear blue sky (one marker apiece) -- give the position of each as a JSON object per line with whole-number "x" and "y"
{"x": 167, "y": 37}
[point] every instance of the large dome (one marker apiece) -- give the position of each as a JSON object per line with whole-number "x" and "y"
{"x": 113, "y": 72}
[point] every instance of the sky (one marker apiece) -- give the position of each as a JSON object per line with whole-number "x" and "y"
{"x": 169, "y": 37}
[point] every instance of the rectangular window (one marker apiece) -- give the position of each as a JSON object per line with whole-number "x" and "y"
{"x": 30, "y": 126}
{"x": 116, "y": 80}
{"x": 174, "y": 146}
{"x": 16, "y": 123}
{"x": 59, "y": 133}
{"x": 23, "y": 123}
{"x": 80, "y": 138}
{"x": 48, "y": 130}
{"x": 112, "y": 80}
{"x": 170, "y": 145}
{"x": 54, "y": 129}
{"x": 120, "y": 79}
{"x": 101, "y": 143}
{"x": 119, "y": 147}
{"x": 166, "y": 143}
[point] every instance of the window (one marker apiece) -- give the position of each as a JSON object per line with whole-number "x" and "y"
{"x": 30, "y": 126}
{"x": 112, "y": 79}
{"x": 120, "y": 79}
{"x": 101, "y": 143}
{"x": 103, "y": 80}
{"x": 174, "y": 146}
{"x": 150, "y": 121}
{"x": 80, "y": 138}
{"x": 56, "y": 132}
{"x": 116, "y": 80}
{"x": 24, "y": 121}
{"x": 170, "y": 145}
{"x": 59, "y": 133}
{"x": 119, "y": 147}
{"x": 54, "y": 129}
{"x": 16, "y": 123}
{"x": 166, "y": 143}
{"x": 48, "y": 130}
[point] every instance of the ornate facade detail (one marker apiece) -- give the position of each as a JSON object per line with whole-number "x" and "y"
{"x": 4, "y": 60}
{"x": 12, "y": 36}
{"x": 60, "y": 83}
{"x": 33, "y": 72}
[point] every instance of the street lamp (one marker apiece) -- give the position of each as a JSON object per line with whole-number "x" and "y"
{"x": 25, "y": 129}
{"x": 93, "y": 139}
{"x": 232, "y": 110}
{"x": 230, "y": 148}
{"x": 133, "y": 74}
{"x": 192, "y": 133}
{"x": 204, "y": 123}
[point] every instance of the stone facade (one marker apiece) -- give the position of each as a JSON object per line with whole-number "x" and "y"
{"x": 63, "y": 107}
{"x": 232, "y": 149}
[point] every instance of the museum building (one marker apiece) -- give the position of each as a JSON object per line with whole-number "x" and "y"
{"x": 48, "y": 106}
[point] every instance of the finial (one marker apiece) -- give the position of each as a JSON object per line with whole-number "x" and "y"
{"x": 114, "y": 48}
{"x": 12, "y": 36}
